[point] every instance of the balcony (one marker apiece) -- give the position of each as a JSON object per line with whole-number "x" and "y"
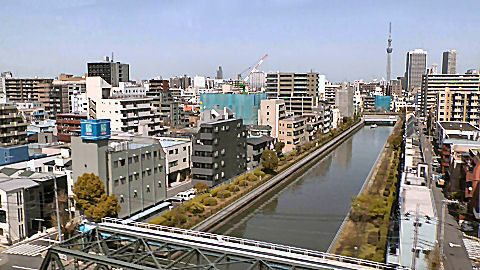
{"x": 201, "y": 147}
{"x": 203, "y": 171}
{"x": 206, "y": 136}
{"x": 200, "y": 159}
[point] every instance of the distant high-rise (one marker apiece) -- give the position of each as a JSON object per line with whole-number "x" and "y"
{"x": 389, "y": 53}
{"x": 416, "y": 66}
{"x": 111, "y": 72}
{"x": 219, "y": 73}
{"x": 449, "y": 62}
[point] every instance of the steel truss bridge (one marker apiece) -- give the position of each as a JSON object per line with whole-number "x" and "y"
{"x": 121, "y": 244}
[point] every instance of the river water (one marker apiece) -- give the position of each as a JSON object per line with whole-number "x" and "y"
{"x": 309, "y": 211}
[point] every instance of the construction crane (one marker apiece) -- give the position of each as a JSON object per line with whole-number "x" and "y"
{"x": 255, "y": 68}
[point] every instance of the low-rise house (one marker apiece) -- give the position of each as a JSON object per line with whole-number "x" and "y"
{"x": 178, "y": 153}
{"x": 293, "y": 132}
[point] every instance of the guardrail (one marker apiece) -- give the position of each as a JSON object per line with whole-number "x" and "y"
{"x": 254, "y": 243}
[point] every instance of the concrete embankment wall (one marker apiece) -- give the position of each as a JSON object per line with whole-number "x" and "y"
{"x": 222, "y": 217}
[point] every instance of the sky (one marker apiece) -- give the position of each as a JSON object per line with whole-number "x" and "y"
{"x": 345, "y": 40}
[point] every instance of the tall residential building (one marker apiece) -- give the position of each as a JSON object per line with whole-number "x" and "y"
{"x": 68, "y": 87}
{"x": 128, "y": 114}
{"x": 432, "y": 84}
{"x": 416, "y": 66}
{"x": 3, "y": 95}
{"x": 458, "y": 106}
{"x": 330, "y": 90}
{"x": 111, "y": 72}
{"x": 344, "y": 100}
{"x": 13, "y": 127}
{"x": 219, "y": 151}
{"x": 219, "y": 73}
{"x": 270, "y": 113}
{"x": 132, "y": 168}
{"x": 449, "y": 62}
{"x": 27, "y": 90}
{"x": 257, "y": 80}
{"x": 298, "y": 90}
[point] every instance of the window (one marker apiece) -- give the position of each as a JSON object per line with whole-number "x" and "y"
{"x": 122, "y": 162}
{"x": 289, "y": 125}
{"x": 268, "y": 113}
{"x": 176, "y": 151}
{"x": 143, "y": 157}
{"x": 3, "y": 216}
{"x": 173, "y": 163}
{"x": 184, "y": 159}
{"x": 154, "y": 154}
{"x": 116, "y": 182}
{"x": 129, "y": 160}
{"x": 184, "y": 148}
{"x": 135, "y": 159}
{"x": 170, "y": 152}
{"x": 130, "y": 178}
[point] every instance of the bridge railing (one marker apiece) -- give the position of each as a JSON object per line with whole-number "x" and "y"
{"x": 254, "y": 243}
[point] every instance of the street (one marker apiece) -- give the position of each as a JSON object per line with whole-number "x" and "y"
{"x": 456, "y": 257}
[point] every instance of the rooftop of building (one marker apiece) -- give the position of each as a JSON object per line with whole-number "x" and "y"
{"x": 417, "y": 196}
{"x": 461, "y": 126}
{"x": 259, "y": 140}
{"x": 166, "y": 144}
{"x": 259, "y": 127}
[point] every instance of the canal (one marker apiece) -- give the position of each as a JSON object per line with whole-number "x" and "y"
{"x": 308, "y": 211}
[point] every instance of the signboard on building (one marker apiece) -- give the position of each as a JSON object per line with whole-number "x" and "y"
{"x": 93, "y": 129}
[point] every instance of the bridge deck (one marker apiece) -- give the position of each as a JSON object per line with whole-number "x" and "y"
{"x": 135, "y": 245}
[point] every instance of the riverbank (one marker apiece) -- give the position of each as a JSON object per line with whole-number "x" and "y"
{"x": 363, "y": 233}
{"x": 206, "y": 210}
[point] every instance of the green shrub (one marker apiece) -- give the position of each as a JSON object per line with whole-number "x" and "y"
{"x": 243, "y": 183}
{"x": 259, "y": 172}
{"x": 196, "y": 208}
{"x": 251, "y": 177}
{"x": 217, "y": 190}
{"x": 224, "y": 194}
{"x": 209, "y": 201}
{"x": 373, "y": 238}
{"x": 233, "y": 188}
{"x": 201, "y": 188}
{"x": 282, "y": 159}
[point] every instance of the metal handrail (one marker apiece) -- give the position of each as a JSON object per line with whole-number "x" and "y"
{"x": 254, "y": 243}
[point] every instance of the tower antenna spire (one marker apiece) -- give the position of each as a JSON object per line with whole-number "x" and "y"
{"x": 389, "y": 53}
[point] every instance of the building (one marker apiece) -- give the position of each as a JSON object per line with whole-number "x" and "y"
{"x": 270, "y": 113}
{"x": 69, "y": 124}
{"x": 245, "y": 106}
{"x": 298, "y": 90}
{"x": 456, "y": 130}
{"x": 446, "y": 87}
{"x": 13, "y": 135}
{"x": 259, "y": 130}
{"x": 344, "y": 100}
{"x": 131, "y": 167}
{"x": 129, "y": 114}
{"x": 178, "y": 153}
{"x": 449, "y": 62}
{"x": 219, "y": 73}
{"x": 368, "y": 103}
{"x": 27, "y": 202}
{"x": 416, "y": 66}
{"x": 382, "y": 103}
{"x": 255, "y": 147}
{"x": 330, "y": 92}
{"x": 319, "y": 121}
{"x": 165, "y": 104}
{"x": 67, "y": 88}
{"x": 293, "y": 132}
{"x": 219, "y": 151}
{"x": 112, "y": 72}
{"x": 257, "y": 80}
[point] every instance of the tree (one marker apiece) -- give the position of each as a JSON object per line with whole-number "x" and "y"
{"x": 269, "y": 160}
{"x": 90, "y": 197}
{"x": 201, "y": 188}
{"x": 279, "y": 147}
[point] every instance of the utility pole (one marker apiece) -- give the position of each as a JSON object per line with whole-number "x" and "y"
{"x": 415, "y": 237}
{"x": 58, "y": 209}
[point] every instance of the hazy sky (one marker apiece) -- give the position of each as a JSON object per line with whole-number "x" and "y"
{"x": 346, "y": 40}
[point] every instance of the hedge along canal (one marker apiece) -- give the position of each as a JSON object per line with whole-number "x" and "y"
{"x": 308, "y": 207}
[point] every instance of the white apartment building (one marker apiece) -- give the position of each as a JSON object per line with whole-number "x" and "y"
{"x": 78, "y": 102}
{"x": 129, "y": 89}
{"x": 270, "y": 112}
{"x": 127, "y": 114}
{"x": 178, "y": 152}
